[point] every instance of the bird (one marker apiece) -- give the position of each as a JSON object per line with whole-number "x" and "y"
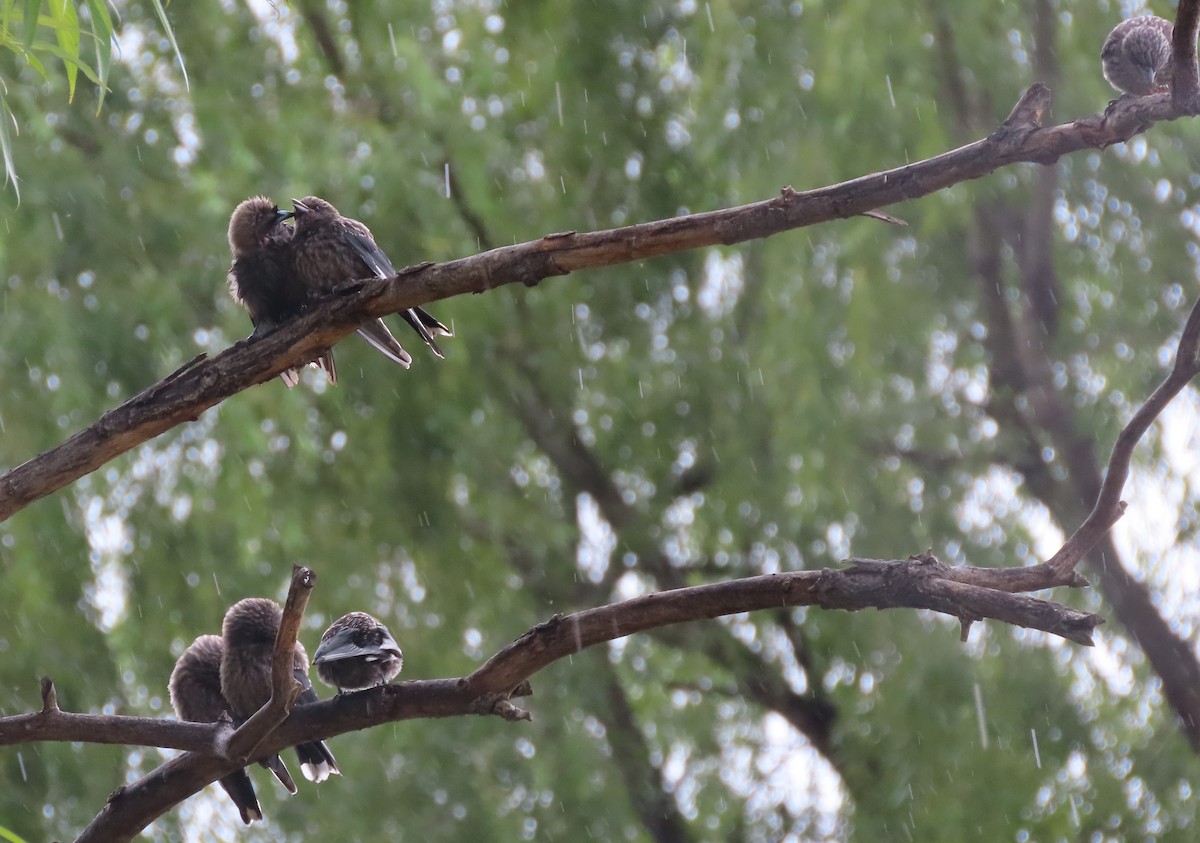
{"x": 261, "y": 278}
{"x": 357, "y": 652}
{"x": 248, "y": 633}
{"x": 195, "y": 691}
{"x": 330, "y": 249}
{"x": 1136, "y": 57}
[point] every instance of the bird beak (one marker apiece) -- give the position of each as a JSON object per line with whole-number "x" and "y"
{"x": 299, "y": 207}
{"x": 280, "y": 216}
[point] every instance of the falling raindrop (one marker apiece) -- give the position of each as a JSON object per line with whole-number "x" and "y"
{"x": 447, "y": 179}
{"x": 21, "y": 762}
{"x": 392, "y": 38}
{"x": 558, "y": 97}
{"x": 1037, "y": 756}
{"x": 981, "y": 715}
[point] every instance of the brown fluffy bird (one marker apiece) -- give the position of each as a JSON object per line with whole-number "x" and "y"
{"x": 1136, "y": 57}
{"x": 261, "y": 278}
{"x": 356, "y": 652}
{"x": 330, "y": 249}
{"x": 248, "y": 633}
{"x": 195, "y": 690}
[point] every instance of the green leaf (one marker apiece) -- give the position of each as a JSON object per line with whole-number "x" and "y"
{"x": 5, "y": 834}
{"x": 162, "y": 17}
{"x": 31, "y": 18}
{"x": 66, "y": 30}
{"x": 10, "y": 170}
{"x": 102, "y": 31}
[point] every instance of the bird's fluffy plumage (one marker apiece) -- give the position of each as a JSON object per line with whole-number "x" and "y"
{"x": 262, "y": 278}
{"x": 248, "y": 633}
{"x": 330, "y": 249}
{"x": 195, "y": 691}
{"x": 1136, "y": 57}
{"x": 356, "y": 652}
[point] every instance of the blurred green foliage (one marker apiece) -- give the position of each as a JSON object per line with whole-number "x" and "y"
{"x": 831, "y": 384}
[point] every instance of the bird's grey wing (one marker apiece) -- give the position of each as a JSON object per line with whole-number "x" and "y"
{"x": 360, "y": 239}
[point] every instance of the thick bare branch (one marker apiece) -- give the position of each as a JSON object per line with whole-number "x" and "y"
{"x": 183, "y": 398}
{"x": 920, "y": 582}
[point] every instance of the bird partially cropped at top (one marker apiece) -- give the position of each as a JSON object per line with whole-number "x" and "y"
{"x": 330, "y": 249}
{"x": 357, "y": 652}
{"x": 195, "y": 691}
{"x": 262, "y": 279}
{"x": 1136, "y": 57}
{"x": 248, "y": 633}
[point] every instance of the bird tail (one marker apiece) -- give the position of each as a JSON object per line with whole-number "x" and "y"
{"x": 326, "y": 362}
{"x": 434, "y": 326}
{"x": 378, "y": 335}
{"x": 316, "y": 761}
{"x": 425, "y": 326}
{"x": 241, "y": 791}
{"x": 291, "y": 377}
{"x": 275, "y": 765}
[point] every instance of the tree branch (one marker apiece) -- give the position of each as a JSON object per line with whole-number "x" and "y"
{"x": 920, "y": 582}
{"x": 165, "y": 405}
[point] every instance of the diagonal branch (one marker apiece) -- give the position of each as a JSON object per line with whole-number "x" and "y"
{"x": 159, "y": 408}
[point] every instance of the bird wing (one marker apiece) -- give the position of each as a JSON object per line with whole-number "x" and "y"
{"x": 342, "y": 645}
{"x": 360, "y": 239}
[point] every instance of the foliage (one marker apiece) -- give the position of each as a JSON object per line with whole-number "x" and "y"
{"x": 833, "y": 384}
{"x": 25, "y": 30}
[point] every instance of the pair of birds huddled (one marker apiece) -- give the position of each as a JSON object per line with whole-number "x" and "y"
{"x": 278, "y": 271}
{"x": 229, "y": 675}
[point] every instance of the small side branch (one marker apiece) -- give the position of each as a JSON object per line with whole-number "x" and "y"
{"x": 1109, "y": 507}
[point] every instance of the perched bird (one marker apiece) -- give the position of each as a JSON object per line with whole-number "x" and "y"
{"x": 195, "y": 690}
{"x": 330, "y": 249}
{"x": 1136, "y": 57}
{"x": 261, "y": 278}
{"x": 357, "y": 652}
{"x": 248, "y": 633}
